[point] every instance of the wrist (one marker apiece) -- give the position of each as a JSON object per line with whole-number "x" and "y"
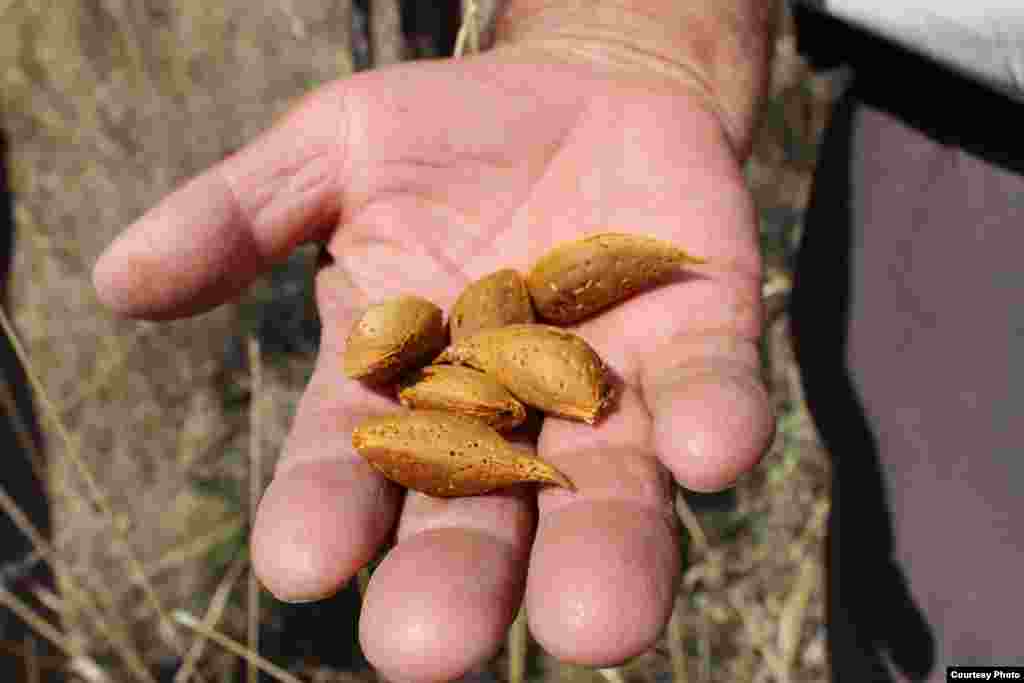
{"x": 715, "y": 50}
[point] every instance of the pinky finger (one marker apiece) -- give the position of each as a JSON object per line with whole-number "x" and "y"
{"x": 712, "y": 417}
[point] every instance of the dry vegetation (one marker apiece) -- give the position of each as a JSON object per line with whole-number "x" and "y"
{"x": 107, "y": 104}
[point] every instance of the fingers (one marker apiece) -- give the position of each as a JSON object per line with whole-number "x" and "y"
{"x": 318, "y": 524}
{"x": 208, "y": 240}
{"x": 712, "y": 418}
{"x": 605, "y": 560}
{"x": 443, "y": 599}
{"x": 691, "y": 351}
{"x": 326, "y": 512}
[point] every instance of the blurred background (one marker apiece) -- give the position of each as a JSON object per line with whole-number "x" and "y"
{"x": 153, "y": 434}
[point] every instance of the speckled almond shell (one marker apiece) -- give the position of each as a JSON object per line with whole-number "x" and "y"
{"x": 577, "y": 279}
{"x": 458, "y": 389}
{"x": 393, "y": 337}
{"x": 494, "y": 300}
{"x": 448, "y": 455}
{"x": 545, "y": 367}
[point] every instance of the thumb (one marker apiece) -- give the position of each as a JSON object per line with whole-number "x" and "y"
{"x": 208, "y": 240}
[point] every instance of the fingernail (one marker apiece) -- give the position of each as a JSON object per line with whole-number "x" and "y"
{"x": 298, "y": 601}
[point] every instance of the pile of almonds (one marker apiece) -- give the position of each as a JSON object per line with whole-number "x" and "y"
{"x": 499, "y": 363}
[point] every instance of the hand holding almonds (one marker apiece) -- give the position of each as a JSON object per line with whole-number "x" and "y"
{"x": 499, "y": 360}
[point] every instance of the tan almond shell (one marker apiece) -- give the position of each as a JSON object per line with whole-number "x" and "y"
{"x": 462, "y": 390}
{"x": 577, "y": 279}
{"x": 392, "y": 337}
{"x": 446, "y": 455}
{"x": 494, "y": 300}
{"x": 543, "y": 366}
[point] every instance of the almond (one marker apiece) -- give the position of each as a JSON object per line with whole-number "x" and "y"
{"x": 462, "y": 390}
{"x": 444, "y": 454}
{"x": 546, "y": 367}
{"x": 577, "y": 279}
{"x": 392, "y": 337}
{"x": 494, "y": 300}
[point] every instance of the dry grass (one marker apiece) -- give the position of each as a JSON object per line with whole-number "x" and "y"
{"x": 210, "y": 620}
{"x": 109, "y": 104}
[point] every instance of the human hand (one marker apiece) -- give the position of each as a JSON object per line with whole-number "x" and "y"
{"x": 419, "y": 179}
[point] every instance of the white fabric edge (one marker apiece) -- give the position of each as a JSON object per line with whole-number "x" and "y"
{"x": 983, "y": 39}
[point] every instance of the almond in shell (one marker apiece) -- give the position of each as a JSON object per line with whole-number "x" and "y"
{"x": 494, "y": 300}
{"x": 392, "y": 337}
{"x": 577, "y": 279}
{"x": 543, "y": 366}
{"x": 446, "y": 455}
{"x": 462, "y": 390}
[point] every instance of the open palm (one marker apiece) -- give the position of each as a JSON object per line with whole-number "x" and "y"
{"x": 419, "y": 179}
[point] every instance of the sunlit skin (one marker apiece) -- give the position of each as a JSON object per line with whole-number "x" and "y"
{"x": 419, "y": 179}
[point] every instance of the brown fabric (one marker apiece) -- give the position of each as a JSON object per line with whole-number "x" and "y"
{"x": 910, "y": 331}
{"x": 936, "y": 337}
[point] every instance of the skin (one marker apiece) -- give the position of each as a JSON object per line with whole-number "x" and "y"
{"x": 419, "y": 179}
